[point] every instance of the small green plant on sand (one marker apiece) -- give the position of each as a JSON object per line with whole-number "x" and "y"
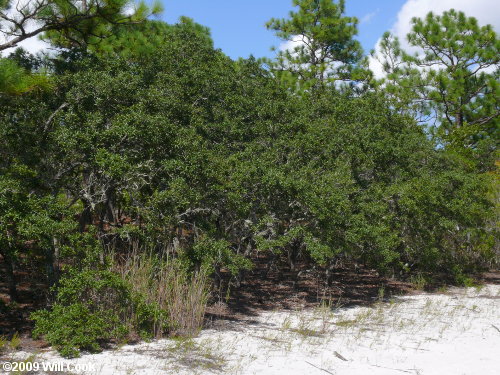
{"x": 418, "y": 281}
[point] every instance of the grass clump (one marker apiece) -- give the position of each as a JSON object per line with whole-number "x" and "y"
{"x": 13, "y": 344}
{"x": 3, "y": 344}
{"x": 201, "y": 355}
{"x": 179, "y": 296}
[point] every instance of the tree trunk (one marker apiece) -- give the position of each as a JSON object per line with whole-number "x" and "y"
{"x": 52, "y": 262}
{"x": 85, "y": 216}
{"x": 11, "y": 278}
{"x": 293, "y": 254}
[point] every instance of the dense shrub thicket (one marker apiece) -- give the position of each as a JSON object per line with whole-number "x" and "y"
{"x": 136, "y": 178}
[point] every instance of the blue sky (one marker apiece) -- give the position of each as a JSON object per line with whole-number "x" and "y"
{"x": 238, "y": 26}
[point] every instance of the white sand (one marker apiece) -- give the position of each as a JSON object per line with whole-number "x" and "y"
{"x": 454, "y": 333}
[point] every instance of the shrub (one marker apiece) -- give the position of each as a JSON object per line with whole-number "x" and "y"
{"x": 74, "y": 327}
{"x": 89, "y": 309}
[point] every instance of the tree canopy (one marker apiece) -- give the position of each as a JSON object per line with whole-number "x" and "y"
{"x": 452, "y": 78}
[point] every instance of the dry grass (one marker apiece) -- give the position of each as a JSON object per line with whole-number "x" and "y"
{"x": 180, "y": 296}
{"x": 187, "y": 301}
{"x": 202, "y": 355}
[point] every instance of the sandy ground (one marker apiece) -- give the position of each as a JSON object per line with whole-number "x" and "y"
{"x": 457, "y": 332}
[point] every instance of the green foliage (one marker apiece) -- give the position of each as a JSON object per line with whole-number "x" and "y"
{"x": 99, "y": 289}
{"x": 14, "y": 80}
{"x": 26, "y": 60}
{"x": 453, "y": 78}
{"x": 466, "y": 96}
{"x": 207, "y": 252}
{"x": 32, "y": 223}
{"x": 144, "y": 295}
{"x": 138, "y": 40}
{"x": 7, "y": 345}
{"x": 463, "y": 279}
{"x": 89, "y": 309}
{"x": 322, "y": 49}
{"x": 206, "y": 161}
{"x": 74, "y": 327}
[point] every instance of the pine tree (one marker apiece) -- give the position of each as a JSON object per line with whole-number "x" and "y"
{"x": 453, "y": 78}
{"x": 67, "y": 23}
{"x": 324, "y": 50}
{"x": 80, "y": 24}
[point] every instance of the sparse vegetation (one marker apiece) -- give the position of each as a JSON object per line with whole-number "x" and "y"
{"x": 14, "y": 342}
{"x": 194, "y": 355}
{"x": 3, "y": 344}
{"x": 11, "y": 344}
{"x": 418, "y": 281}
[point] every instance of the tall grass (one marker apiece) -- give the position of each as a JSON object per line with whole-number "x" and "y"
{"x": 179, "y": 297}
{"x": 187, "y": 301}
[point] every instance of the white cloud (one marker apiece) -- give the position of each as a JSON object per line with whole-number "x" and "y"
{"x": 32, "y": 45}
{"x": 368, "y": 17}
{"x": 290, "y": 45}
{"x": 376, "y": 67}
{"x": 130, "y": 8}
{"x": 486, "y": 12}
